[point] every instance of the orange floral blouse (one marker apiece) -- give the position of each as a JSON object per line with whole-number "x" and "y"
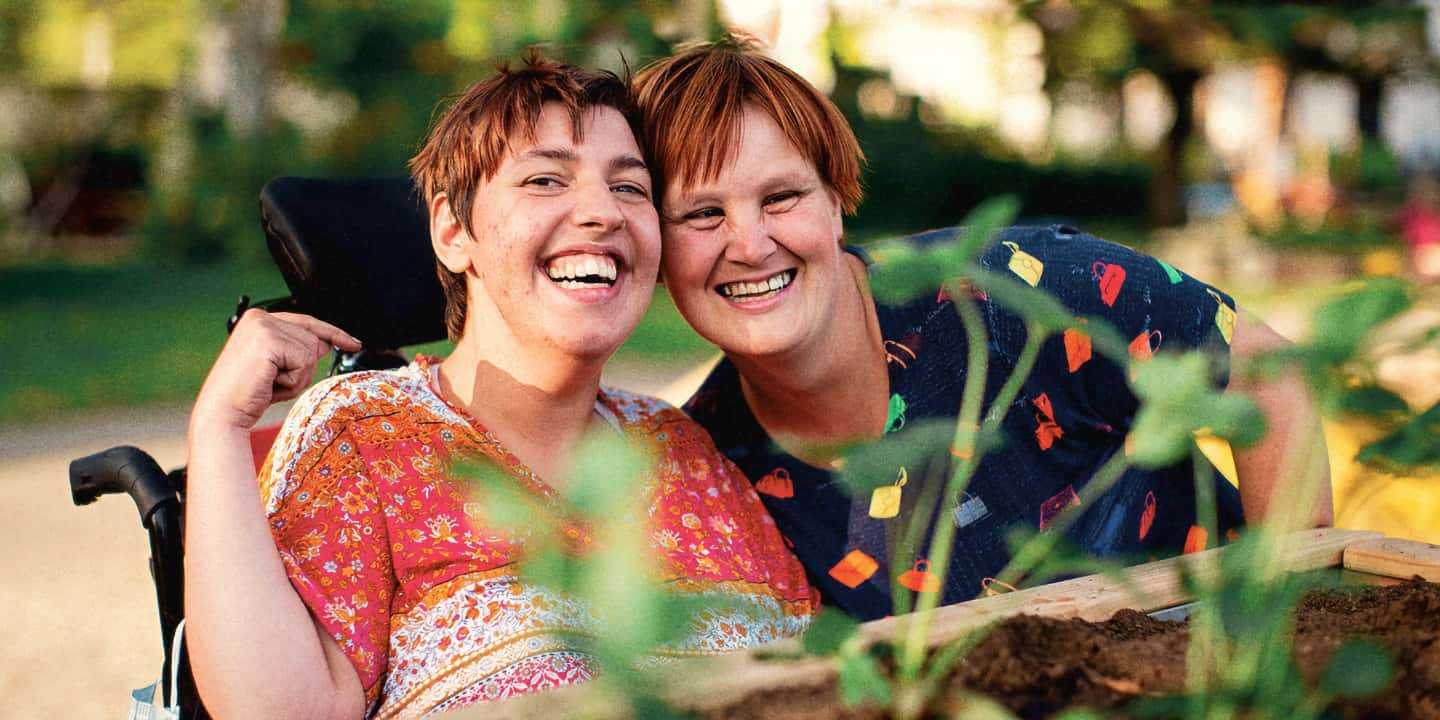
{"x": 429, "y": 607}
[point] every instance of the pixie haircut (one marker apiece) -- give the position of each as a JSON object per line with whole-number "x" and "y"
{"x": 470, "y": 140}
{"x": 692, "y": 103}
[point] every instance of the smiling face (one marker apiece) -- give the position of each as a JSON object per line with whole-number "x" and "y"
{"x": 753, "y": 257}
{"x": 566, "y": 239}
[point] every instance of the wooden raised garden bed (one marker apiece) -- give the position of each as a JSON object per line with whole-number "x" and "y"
{"x": 1064, "y": 644}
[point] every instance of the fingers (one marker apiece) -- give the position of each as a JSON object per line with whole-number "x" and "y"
{"x": 305, "y": 347}
{"x": 291, "y": 383}
{"x": 319, "y": 328}
{"x": 292, "y": 344}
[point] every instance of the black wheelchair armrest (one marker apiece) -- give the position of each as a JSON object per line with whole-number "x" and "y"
{"x": 125, "y": 469}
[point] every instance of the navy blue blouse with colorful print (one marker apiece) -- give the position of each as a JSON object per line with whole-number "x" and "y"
{"x": 1070, "y": 417}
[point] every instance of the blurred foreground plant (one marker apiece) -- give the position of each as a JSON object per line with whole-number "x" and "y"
{"x": 590, "y": 543}
{"x": 1239, "y": 662}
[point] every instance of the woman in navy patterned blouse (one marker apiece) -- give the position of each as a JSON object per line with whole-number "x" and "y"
{"x": 755, "y": 168}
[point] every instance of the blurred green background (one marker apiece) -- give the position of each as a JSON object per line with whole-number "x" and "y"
{"x": 1276, "y": 150}
{"x": 1232, "y": 138}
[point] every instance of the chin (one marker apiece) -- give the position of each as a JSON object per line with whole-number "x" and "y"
{"x": 755, "y": 347}
{"x": 589, "y": 348}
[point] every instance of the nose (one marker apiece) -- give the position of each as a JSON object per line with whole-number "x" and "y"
{"x": 750, "y": 242}
{"x": 597, "y": 208}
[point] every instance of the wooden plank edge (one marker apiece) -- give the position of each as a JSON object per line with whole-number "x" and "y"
{"x": 729, "y": 679}
{"x": 1395, "y": 557}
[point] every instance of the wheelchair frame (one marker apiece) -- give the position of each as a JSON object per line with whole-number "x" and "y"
{"x": 328, "y": 238}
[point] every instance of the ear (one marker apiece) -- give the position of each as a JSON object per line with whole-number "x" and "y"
{"x": 447, "y": 236}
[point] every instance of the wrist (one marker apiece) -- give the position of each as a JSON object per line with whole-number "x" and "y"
{"x": 210, "y": 426}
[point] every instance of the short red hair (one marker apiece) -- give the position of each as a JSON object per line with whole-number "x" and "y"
{"x": 466, "y": 146}
{"x": 691, "y": 106}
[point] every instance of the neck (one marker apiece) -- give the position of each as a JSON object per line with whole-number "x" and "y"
{"x": 538, "y": 405}
{"x": 832, "y": 391}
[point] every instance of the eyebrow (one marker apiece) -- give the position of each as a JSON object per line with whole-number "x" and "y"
{"x": 545, "y": 153}
{"x": 691, "y": 198}
{"x": 558, "y": 154}
{"x": 628, "y": 162}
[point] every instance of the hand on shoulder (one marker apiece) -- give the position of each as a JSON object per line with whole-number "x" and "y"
{"x": 269, "y": 358}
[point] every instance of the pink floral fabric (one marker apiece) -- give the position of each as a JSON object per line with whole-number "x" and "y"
{"x": 384, "y": 548}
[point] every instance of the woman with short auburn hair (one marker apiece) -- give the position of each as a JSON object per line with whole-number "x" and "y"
{"x": 755, "y": 169}
{"x": 357, "y": 579}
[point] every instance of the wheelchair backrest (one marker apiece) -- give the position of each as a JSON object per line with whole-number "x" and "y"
{"x": 356, "y": 253}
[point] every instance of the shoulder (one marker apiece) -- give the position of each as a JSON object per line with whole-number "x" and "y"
{"x": 327, "y": 415}
{"x": 668, "y": 426}
{"x": 634, "y": 409}
{"x": 337, "y": 402}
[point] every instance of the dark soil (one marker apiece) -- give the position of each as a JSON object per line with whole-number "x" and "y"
{"x": 1038, "y": 666}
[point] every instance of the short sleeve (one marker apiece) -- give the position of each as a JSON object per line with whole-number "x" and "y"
{"x": 1155, "y": 307}
{"x": 329, "y": 525}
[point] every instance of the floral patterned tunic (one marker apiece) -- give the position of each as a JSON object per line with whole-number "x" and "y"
{"x": 429, "y": 607}
{"x": 1072, "y": 414}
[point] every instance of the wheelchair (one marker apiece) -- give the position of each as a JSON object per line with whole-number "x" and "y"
{"x": 355, "y": 253}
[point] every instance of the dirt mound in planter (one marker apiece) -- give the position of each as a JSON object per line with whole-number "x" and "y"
{"x": 1038, "y": 666}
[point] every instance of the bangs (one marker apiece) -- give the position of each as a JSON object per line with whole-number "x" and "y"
{"x": 466, "y": 146}
{"x": 693, "y": 106}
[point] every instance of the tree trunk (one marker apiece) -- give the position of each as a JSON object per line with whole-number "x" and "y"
{"x": 253, "y": 26}
{"x": 1368, "y": 88}
{"x": 1167, "y": 188}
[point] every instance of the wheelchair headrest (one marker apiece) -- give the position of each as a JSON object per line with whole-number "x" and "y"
{"x": 356, "y": 253}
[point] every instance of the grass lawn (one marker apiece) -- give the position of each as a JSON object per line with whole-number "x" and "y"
{"x": 77, "y": 338}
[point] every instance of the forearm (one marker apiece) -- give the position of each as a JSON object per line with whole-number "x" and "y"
{"x": 1290, "y": 460}
{"x": 254, "y": 647}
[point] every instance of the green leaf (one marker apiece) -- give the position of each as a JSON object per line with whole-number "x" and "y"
{"x": 1178, "y": 399}
{"x": 1359, "y": 668}
{"x": 1079, "y": 714}
{"x": 1341, "y": 325}
{"x": 610, "y": 475}
{"x": 973, "y": 706}
{"x": 619, "y": 582}
{"x": 1162, "y": 706}
{"x": 551, "y": 567}
{"x": 978, "y": 230}
{"x": 1414, "y": 445}
{"x": 829, "y": 631}
{"x": 1371, "y": 401}
{"x": 878, "y": 463}
{"x": 504, "y": 505}
{"x": 1039, "y": 308}
{"x": 862, "y": 681}
{"x": 902, "y": 271}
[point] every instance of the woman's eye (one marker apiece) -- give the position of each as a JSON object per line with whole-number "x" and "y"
{"x": 704, "y": 218}
{"x": 543, "y": 182}
{"x": 783, "y": 201}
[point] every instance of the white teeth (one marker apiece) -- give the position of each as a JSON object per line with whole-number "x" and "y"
{"x": 567, "y": 270}
{"x": 750, "y": 290}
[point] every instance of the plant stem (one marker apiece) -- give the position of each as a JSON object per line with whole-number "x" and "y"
{"x": 1034, "y": 550}
{"x": 972, "y": 397}
{"x": 1205, "y": 512}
